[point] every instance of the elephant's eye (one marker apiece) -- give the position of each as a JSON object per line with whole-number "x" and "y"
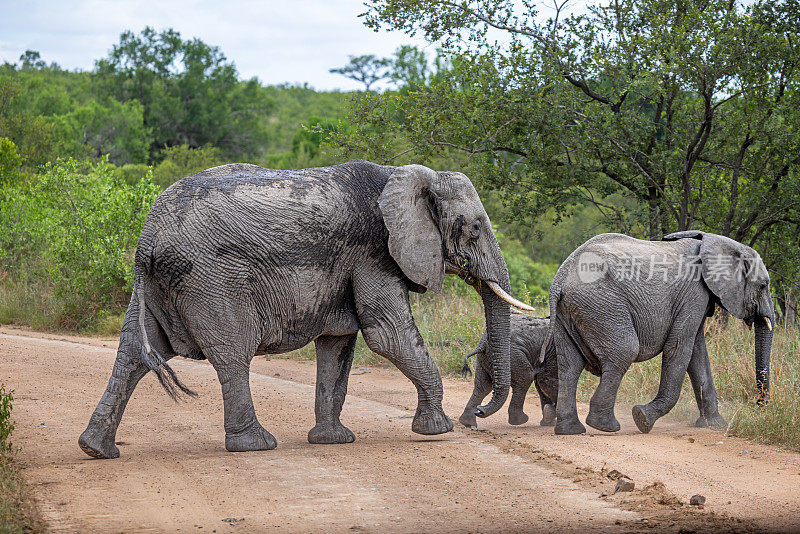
{"x": 475, "y": 229}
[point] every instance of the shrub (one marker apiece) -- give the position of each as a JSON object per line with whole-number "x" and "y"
{"x": 6, "y": 423}
{"x": 76, "y": 227}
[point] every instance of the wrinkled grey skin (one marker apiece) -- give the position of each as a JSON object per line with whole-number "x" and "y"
{"x": 239, "y": 260}
{"x": 604, "y": 320}
{"x": 528, "y": 334}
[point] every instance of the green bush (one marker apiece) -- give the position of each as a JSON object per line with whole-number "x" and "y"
{"x": 75, "y": 226}
{"x": 181, "y": 161}
{"x": 6, "y": 423}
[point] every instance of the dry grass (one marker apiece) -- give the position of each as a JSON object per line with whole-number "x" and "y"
{"x": 18, "y": 512}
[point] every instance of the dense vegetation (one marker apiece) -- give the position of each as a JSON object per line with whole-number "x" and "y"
{"x": 659, "y": 115}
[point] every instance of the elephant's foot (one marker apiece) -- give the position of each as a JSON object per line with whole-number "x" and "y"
{"x": 711, "y": 421}
{"x": 254, "y": 438}
{"x": 605, "y": 422}
{"x": 468, "y": 418}
{"x": 548, "y": 415}
{"x": 643, "y": 418}
{"x": 98, "y": 445}
{"x": 431, "y": 421}
{"x": 330, "y": 433}
{"x": 517, "y": 418}
{"x": 569, "y": 427}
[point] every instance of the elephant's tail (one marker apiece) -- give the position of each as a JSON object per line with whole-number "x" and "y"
{"x": 153, "y": 360}
{"x": 555, "y": 296}
{"x": 481, "y": 348}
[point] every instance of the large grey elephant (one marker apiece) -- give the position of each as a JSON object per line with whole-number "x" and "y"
{"x": 239, "y": 260}
{"x": 618, "y": 300}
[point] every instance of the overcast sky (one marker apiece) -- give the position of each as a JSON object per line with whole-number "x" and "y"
{"x": 278, "y": 41}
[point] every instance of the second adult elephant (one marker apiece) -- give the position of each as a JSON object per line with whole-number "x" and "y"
{"x": 239, "y": 260}
{"x": 617, "y": 300}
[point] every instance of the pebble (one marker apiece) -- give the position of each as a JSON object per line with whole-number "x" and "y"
{"x": 624, "y": 484}
{"x": 697, "y": 500}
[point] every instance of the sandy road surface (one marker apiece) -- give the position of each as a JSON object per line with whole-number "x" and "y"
{"x": 174, "y": 474}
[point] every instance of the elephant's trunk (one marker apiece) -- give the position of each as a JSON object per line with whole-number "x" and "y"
{"x": 763, "y": 351}
{"x": 498, "y": 339}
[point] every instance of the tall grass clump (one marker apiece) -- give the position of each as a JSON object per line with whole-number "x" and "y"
{"x": 17, "y": 510}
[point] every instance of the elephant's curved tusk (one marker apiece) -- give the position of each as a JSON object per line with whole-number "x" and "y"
{"x": 769, "y": 323}
{"x": 508, "y": 298}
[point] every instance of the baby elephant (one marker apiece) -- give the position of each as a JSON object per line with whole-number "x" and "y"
{"x": 528, "y": 334}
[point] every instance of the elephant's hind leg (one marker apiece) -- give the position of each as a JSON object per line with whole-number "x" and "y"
{"x": 334, "y": 358}
{"x": 98, "y": 439}
{"x": 243, "y": 432}
{"x": 570, "y": 366}
{"x": 616, "y": 350}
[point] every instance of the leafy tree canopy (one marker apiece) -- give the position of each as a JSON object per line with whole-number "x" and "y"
{"x": 665, "y": 115}
{"x": 189, "y": 91}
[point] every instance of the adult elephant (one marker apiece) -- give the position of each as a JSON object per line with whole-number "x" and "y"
{"x": 239, "y": 260}
{"x": 618, "y": 300}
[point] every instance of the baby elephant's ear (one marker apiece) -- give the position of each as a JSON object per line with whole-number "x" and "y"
{"x": 724, "y": 270}
{"x": 415, "y": 241}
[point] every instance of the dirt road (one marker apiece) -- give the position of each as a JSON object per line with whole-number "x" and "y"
{"x": 175, "y": 475}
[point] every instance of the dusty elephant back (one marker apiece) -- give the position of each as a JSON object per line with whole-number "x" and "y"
{"x": 246, "y": 234}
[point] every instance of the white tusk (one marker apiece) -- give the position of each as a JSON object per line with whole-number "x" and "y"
{"x": 508, "y": 298}
{"x": 769, "y": 323}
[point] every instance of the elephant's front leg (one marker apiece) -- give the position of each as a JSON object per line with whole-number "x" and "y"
{"x": 389, "y": 330}
{"x": 334, "y": 358}
{"x": 703, "y": 384}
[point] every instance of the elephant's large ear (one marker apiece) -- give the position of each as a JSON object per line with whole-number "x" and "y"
{"x": 415, "y": 242}
{"x": 724, "y": 271}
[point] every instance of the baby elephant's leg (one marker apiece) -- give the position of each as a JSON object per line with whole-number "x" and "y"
{"x": 548, "y": 407}
{"x": 483, "y": 386}
{"x": 519, "y": 389}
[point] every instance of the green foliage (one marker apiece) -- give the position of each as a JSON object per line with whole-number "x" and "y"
{"x": 527, "y": 277}
{"x": 662, "y": 115}
{"x": 189, "y": 92}
{"x": 10, "y": 162}
{"x": 181, "y": 161}
{"x": 6, "y": 422}
{"x": 366, "y": 69}
{"x": 76, "y": 226}
{"x": 30, "y": 133}
{"x": 108, "y": 128}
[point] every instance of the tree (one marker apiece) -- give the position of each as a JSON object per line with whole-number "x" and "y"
{"x": 189, "y": 91}
{"x": 663, "y": 115}
{"x": 367, "y": 69}
{"x": 31, "y": 60}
